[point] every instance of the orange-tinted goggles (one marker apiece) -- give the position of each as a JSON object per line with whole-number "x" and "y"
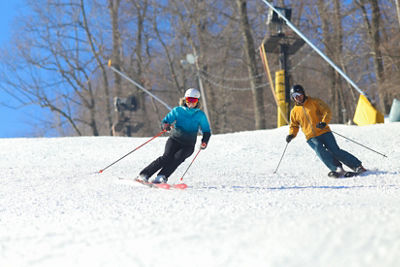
{"x": 192, "y": 100}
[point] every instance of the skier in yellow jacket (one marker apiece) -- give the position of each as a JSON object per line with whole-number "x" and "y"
{"x": 313, "y": 116}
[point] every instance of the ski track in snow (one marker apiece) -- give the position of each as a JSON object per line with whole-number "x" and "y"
{"x": 57, "y": 210}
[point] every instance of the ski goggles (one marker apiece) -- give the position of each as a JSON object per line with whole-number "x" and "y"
{"x": 295, "y": 95}
{"x": 192, "y": 100}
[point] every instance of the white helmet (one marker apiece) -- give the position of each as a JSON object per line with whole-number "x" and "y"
{"x": 192, "y": 92}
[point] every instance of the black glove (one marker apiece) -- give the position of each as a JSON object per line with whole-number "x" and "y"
{"x": 166, "y": 127}
{"x": 321, "y": 125}
{"x": 289, "y": 138}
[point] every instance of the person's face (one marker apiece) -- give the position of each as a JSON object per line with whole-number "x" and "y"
{"x": 191, "y": 102}
{"x": 298, "y": 98}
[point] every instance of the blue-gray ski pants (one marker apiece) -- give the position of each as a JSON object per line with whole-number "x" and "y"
{"x": 329, "y": 152}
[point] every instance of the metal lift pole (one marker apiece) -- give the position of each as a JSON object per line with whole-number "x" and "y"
{"x": 316, "y": 49}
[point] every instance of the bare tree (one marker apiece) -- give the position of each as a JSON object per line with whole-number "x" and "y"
{"x": 397, "y": 2}
{"x": 59, "y": 59}
{"x": 373, "y": 30}
{"x": 258, "y": 99}
{"x": 332, "y": 32}
{"x": 57, "y": 48}
{"x": 114, "y": 6}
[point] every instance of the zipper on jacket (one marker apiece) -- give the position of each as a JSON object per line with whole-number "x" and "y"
{"x": 308, "y": 119}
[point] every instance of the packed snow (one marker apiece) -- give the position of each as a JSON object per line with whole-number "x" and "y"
{"x": 56, "y": 209}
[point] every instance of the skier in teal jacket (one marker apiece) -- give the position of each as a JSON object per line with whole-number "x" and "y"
{"x": 185, "y": 121}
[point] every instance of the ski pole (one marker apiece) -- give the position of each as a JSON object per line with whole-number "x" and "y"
{"x": 359, "y": 144}
{"x": 154, "y": 137}
{"x": 190, "y": 164}
{"x": 281, "y": 158}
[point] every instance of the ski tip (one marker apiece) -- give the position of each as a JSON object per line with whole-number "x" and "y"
{"x": 100, "y": 171}
{"x": 181, "y": 186}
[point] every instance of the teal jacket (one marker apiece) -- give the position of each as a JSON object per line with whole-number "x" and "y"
{"x": 188, "y": 122}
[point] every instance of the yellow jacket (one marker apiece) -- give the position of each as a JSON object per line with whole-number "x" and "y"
{"x": 307, "y": 115}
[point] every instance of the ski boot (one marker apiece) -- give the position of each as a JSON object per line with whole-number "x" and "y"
{"x": 338, "y": 173}
{"x": 160, "y": 179}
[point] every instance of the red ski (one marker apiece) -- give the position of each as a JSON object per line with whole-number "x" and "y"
{"x": 164, "y": 185}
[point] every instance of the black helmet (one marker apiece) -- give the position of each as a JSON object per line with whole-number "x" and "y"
{"x": 297, "y": 88}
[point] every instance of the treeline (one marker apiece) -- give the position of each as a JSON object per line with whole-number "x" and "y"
{"x": 59, "y": 54}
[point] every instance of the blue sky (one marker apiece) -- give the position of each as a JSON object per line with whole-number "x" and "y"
{"x": 14, "y": 122}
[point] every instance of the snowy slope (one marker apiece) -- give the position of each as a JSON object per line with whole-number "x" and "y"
{"x": 55, "y": 210}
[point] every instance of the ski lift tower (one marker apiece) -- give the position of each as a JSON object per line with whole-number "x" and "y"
{"x": 285, "y": 43}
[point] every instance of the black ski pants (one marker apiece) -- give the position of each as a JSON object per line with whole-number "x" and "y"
{"x": 175, "y": 153}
